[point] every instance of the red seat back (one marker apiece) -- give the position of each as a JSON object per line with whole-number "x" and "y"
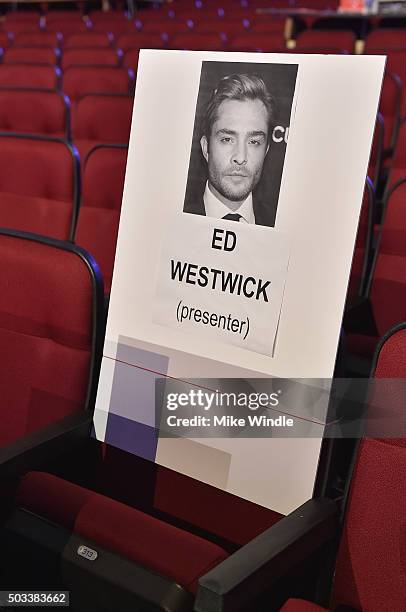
{"x": 170, "y": 27}
{"x": 257, "y": 41}
{"x": 130, "y": 59}
{"x": 140, "y": 40}
{"x": 388, "y": 286}
{"x": 340, "y": 39}
{"x": 103, "y": 183}
{"x": 385, "y": 38}
{"x": 89, "y": 39}
{"x": 38, "y": 38}
{"x": 31, "y": 55}
{"x": 197, "y": 41}
{"x": 398, "y": 169}
{"x": 20, "y": 21}
{"x": 363, "y": 243}
{"x": 103, "y": 118}
{"x": 38, "y": 185}
{"x": 67, "y": 27}
{"x": 81, "y": 80}
{"x": 370, "y": 567}
{"x": 264, "y": 23}
{"x": 49, "y": 311}
{"x": 6, "y": 39}
{"x": 98, "y": 56}
{"x": 107, "y": 16}
{"x": 33, "y": 76}
{"x": 34, "y": 112}
{"x": 390, "y": 107}
{"x": 114, "y": 27}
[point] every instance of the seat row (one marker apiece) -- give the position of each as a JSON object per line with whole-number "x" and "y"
{"x": 75, "y": 81}
{"x": 92, "y": 119}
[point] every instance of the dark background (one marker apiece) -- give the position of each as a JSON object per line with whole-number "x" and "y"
{"x": 280, "y": 80}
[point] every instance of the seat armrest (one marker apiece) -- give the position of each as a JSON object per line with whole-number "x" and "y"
{"x": 47, "y": 442}
{"x": 232, "y": 584}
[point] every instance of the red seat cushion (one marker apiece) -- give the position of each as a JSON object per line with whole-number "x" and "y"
{"x": 172, "y": 552}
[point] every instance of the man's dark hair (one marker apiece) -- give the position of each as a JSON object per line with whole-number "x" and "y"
{"x": 238, "y": 87}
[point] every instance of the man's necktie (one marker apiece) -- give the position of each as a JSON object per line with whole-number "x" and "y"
{"x": 232, "y": 217}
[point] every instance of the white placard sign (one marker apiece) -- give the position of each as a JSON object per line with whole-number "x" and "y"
{"x": 244, "y": 182}
{"x": 211, "y": 281}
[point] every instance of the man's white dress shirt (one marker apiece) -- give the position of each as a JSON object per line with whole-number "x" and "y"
{"x": 215, "y": 208}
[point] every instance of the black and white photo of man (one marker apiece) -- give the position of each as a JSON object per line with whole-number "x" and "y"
{"x": 236, "y": 129}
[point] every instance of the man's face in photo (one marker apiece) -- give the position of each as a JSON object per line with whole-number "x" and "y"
{"x": 236, "y": 149}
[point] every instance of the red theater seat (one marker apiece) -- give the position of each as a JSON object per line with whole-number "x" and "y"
{"x": 385, "y": 38}
{"x": 26, "y": 75}
{"x": 196, "y": 14}
{"x": 387, "y": 287}
{"x": 89, "y": 39}
{"x": 300, "y": 605}
{"x": 363, "y": 244}
{"x": 114, "y": 27}
{"x": 339, "y": 39}
{"x": 263, "y": 23}
{"x": 31, "y": 55}
{"x": 156, "y": 14}
{"x": 169, "y": 27}
{"x": 107, "y": 16}
{"x": 369, "y": 572}
{"x": 34, "y": 112}
{"x": 65, "y": 17}
{"x": 388, "y": 290}
{"x": 99, "y": 215}
{"x": 38, "y": 39}
{"x": 323, "y": 50}
{"x": 81, "y": 80}
{"x": 398, "y": 167}
{"x": 104, "y": 118}
{"x": 139, "y": 40}
{"x": 228, "y": 27}
{"x": 390, "y": 107}
{"x": 6, "y": 39}
{"x": 50, "y": 296}
{"x": 198, "y": 42}
{"x": 20, "y": 21}
{"x": 257, "y": 41}
{"x": 130, "y": 59}
{"x": 396, "y": 64}
{"x": 90, "y": 57}
{"x": 67, "y": 27}
{"x": 376, "y": 157}
{"x": 168, "y": 551}
{"x": 39, "y": 185}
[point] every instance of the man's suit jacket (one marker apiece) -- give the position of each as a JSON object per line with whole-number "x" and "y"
{"x": 263, "y": 216}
